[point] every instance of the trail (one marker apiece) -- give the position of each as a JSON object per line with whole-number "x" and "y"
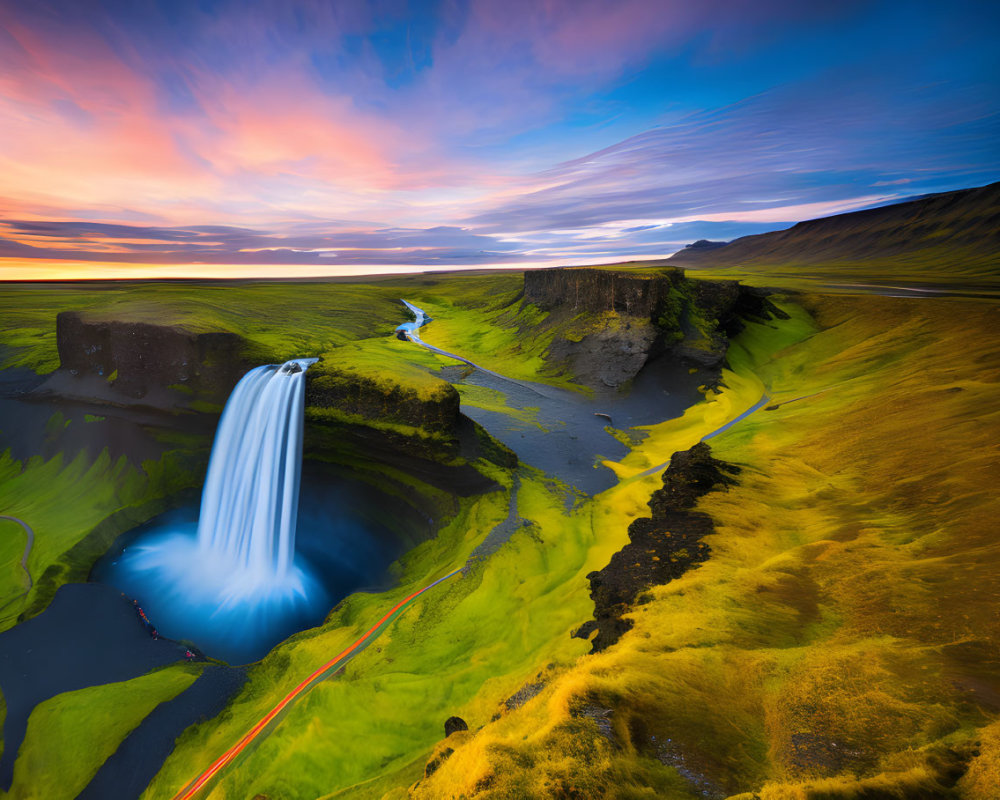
{"x": 270, "y": 719}
{"x": 27, "y": 552}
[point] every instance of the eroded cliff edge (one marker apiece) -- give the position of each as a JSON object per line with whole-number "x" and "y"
{"x": 354, "y": 416}
{"x": 614, "y": 321}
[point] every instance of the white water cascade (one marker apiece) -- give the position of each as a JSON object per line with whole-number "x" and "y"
{"x": 251, "y": 495}
{"x": 232, "y": 582}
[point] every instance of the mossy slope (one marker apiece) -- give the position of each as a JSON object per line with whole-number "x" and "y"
{"x": 841, "y": 641}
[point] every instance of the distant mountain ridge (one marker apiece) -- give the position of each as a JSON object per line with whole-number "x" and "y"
{"x": 961, "y": 228}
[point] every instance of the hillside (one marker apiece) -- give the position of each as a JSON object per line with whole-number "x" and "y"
{"x": 950, "y": 237}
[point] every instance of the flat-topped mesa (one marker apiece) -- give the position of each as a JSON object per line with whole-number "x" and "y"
{"x": 631, "y": 317}
{"x": 352, "y": 415}
{"x": 382, "y": 399}
{"x": 598, "y": 290}
{"x": 139, "y": 359}
{"x": 124, "y": 362}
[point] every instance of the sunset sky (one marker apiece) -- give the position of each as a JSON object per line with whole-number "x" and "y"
{"x": 285, "y": 138}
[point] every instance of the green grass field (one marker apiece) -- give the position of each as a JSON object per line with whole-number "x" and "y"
{"x": 837, "y": 642}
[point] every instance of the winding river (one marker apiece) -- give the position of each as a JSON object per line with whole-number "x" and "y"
{"x": 563, "y": 433}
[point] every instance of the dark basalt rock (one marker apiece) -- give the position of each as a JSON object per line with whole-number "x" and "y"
{"x": 137, "y": 359}
{"x": 437, "y": 760}
{"x": 585, "y": 631}
{"x": 598, "y": 290}
{"x": 166, "y": 369}
{"x": 636, "y": 316}
{"x": 453, "y": 725}
{"x": 661, "y": 547}
{"x": 608, "y": 358}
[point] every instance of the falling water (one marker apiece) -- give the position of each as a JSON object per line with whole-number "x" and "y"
{"x": 233, "y": 583}
{"x": 251, "y": 495}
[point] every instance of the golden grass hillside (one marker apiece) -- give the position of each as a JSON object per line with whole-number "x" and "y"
{"x": 842, "y": 639}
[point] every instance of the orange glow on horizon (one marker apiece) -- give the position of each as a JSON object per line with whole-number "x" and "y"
{"x": 19, "y": 269}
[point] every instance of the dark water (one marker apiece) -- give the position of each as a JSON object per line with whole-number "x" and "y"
{"x": 32, "y": 427}
{"x": 89, "y": 635}
{"x": 344, "y": 543}
{"x": 572, "y": 440}
{"x": 127, "y": 773}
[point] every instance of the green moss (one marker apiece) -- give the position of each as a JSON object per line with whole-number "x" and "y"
{"x": 493, "y": 400}
{"x": 89, "y": 492}
{"x": 835, "y": 607}
{"x": 13, "y": 581}
{"x": 816, "y": 653}
{"x": 205, "y": 407}
{"x": 71, "y": 735}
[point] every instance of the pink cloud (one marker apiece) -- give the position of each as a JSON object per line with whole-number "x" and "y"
{"x": 81, "y": 126}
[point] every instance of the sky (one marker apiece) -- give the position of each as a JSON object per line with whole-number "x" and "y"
{"x": 293, "y": 138}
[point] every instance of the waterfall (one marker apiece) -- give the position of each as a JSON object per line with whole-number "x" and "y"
{"x": 232, "y": 581}
{"x": 250, "y": 499}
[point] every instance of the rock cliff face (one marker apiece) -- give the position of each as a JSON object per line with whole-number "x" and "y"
{"x": 383, "y": 401}
{"x": 167, "y": 368}
{"x": 599, "y": 290}
{"x": 636, "y": 316}
{"x": 157, "y": 364}
{"x": 136, "y": 358}
{"x": 662, "y": 546}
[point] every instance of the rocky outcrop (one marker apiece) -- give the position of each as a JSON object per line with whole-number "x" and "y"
{"x": 383, "y": 400}
{"x": 598, "y": 290}
{"x": 165, "y": 366}
{"x": 610, "y": 355}
{"x": 662, "y": 546}
{"x": 352, "y": 416}
{"x": 621, "y": 319}
{"x": 137, "y": 359}
{"x": 454, "y": 724}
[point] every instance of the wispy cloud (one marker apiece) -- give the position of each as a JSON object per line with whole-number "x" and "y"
{"x": 786, "y": 155}
{"x": 309, "y": 132}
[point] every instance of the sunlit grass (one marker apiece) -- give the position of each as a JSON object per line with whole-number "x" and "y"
{"x": 833, "y": 644}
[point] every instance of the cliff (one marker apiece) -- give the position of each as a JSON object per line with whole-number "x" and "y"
{"x": 137, "y": 359}
{"x": 597, "y": 290}
{"x": 383, "y": 399}
{"x": 383, "y": 416}
{"x": 612, "y": 322}
{"x": 164, "y": 366}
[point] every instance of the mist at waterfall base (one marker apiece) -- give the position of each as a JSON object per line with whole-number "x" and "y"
{"x": 231, "y": 579}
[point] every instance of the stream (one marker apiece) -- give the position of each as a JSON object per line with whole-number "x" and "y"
{"x": 563, "y": 433}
